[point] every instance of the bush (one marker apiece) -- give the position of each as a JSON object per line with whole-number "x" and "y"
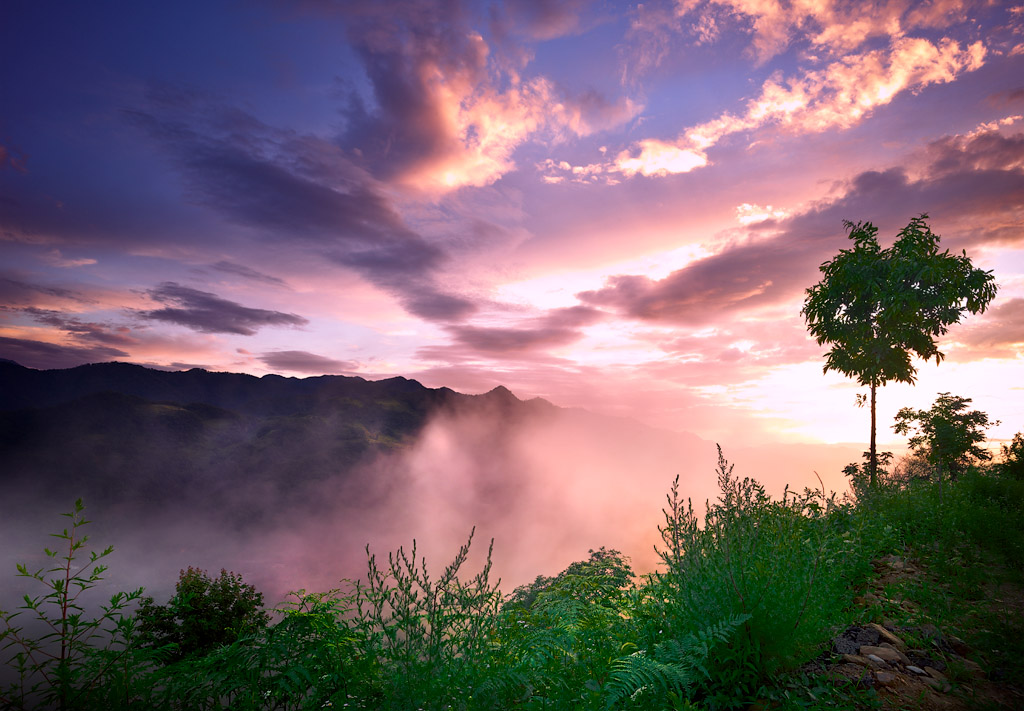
{"x": 205, "y": 613}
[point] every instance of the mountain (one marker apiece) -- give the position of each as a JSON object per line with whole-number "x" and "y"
{"x": 116, "y": 432}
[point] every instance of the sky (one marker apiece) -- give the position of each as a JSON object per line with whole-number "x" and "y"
{"x": 614, "y": 206}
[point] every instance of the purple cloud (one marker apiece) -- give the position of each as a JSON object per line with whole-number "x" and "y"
{"x": 208, "y": 313}
{"x": 305, "y": 362}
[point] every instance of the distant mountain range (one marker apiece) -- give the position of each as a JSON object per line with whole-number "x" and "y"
{"x": 116, "y": 432}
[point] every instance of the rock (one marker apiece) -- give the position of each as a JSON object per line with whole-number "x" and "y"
{"x": 936, "y": 684}
{"x": 930, "y": 631}
{"x": 887, "y": 636}
{"x": 903, "y": 657}
{"x": 973, "y": 668}
{"x": 958, "y": 645}
{"x": 936, "y": 674}
{"x": 885, "y": 678}
{"x": 916, "y": 670}
{"x": 863, "y": 661}
{"x": 853, "y": 638}
{"x": 919, "y": 659}
{"x": 887, "y": 653}
{"x": 876, "y": 660}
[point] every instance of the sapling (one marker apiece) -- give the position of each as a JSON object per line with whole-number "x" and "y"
{"x": 50, "y": 667}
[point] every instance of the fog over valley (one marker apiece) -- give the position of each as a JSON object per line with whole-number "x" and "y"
{"x": 286, "y": 480}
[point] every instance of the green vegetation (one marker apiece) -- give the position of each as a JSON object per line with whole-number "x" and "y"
{"x": 877, "y": 307}
{"x": 742, "y": 609}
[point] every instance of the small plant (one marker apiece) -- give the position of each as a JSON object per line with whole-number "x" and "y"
{"x": 52, "y": 660}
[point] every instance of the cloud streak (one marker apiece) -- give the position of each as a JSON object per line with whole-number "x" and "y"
{"x": 208, "y": 313}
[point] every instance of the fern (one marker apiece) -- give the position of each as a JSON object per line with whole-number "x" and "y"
{"x": 675, "y": 666}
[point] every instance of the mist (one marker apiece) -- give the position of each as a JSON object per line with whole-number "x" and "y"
{"x": 547, "y": 486}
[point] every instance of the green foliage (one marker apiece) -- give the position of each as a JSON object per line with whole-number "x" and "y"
{"x": 558, "y": 640}
{"x": 674, "y": 667}
{"x": 607, "y": 571}
{"x": 784, "y": 566}
{"x": 203, "y": 614}
{"x": 878, "y": 307}
{"x": 1011, "y": 462}
{"x": 946, "y": 434}
{"x": 427, "y": 636}
{"x": 52, "y": 666}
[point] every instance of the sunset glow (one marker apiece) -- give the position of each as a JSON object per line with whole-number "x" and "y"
{"x": 614, "y": 206}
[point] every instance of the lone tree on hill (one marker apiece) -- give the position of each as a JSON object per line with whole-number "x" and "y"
{"x": 947, "y": 434}
{"x": 877, "y": 307}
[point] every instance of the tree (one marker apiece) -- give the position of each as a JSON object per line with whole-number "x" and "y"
{"x": 878, "y": 307}
{"x": 947, "y": 435}
{"x": 1012, "y": 464}
{"x": 204, "y": 614}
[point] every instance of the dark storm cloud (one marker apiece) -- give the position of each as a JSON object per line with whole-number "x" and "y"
{"x": 247, "y": 273}
{"x": 305, "y": 362}
{"x": 283, "y": 184}
{"x": 967, "y": 181}
{"x": 208, "y": 313}
{"x": 37, "y": 354}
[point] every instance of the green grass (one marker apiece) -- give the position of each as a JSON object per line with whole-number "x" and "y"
{"x": 748, "y": 594}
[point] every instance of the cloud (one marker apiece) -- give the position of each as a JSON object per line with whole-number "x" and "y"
{"x": 530, "y": 339}
{"x": 277, "y": 182}
{"x": 43, "y": 355}
{"x": 247, "y": 273}
{"x": 305, "y": 362}
{"x": 544, "y": 19}
{"x": 838, "y": 95}
{"x": 86, "y": 332}
{"x": 999, "y": 333}
{"x": 833, "y": 26}
{"x": 55, "y": 259}
{"x": 17, "y": 291}
{"x": 207, "y": 313}
{"x": 972, "y": 184}
{"x": 448, "y": 113}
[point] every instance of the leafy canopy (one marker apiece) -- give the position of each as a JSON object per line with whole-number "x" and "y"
{"x": 947, "y": 434}
{"x": 205, "y": 613}
{"x": 878, "y": 307}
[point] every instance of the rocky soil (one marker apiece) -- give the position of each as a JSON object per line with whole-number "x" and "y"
{"x": 920, "y": 666}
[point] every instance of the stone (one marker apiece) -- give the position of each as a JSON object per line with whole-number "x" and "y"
{"x": 973, "y": 668}
{"x": 903, "y": 657}
{"x": 936, "y": 684}
{"x": 887, "y": 653}
{"x": 916, "y": 670}
{"x": 885, "y": 678}
{"x": 862, "y": 661}
{"x": 936, "y": 674}
{"x": 930, "y": 631}
{"x": 958, "y": 645}
{"x": 887, "y": 636}
{"x": 876, "y": 659}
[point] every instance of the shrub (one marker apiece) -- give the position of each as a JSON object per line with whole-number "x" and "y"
{"x": 203, "y": 614}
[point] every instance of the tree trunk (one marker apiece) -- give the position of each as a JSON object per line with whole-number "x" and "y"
{"x": 872, "y": 453}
